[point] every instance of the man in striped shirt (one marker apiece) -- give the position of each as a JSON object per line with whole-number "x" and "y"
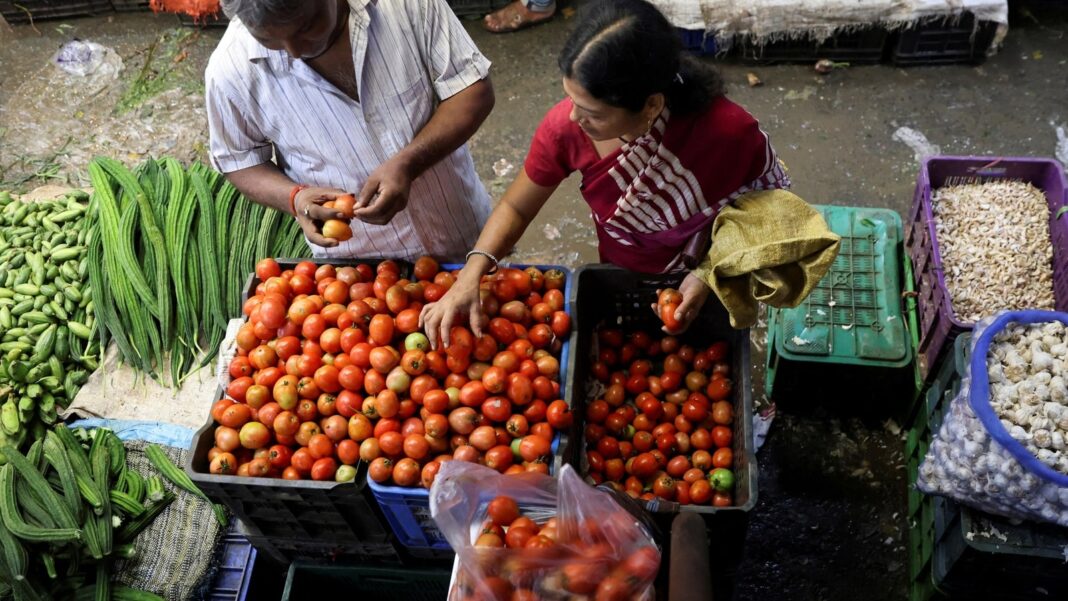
{"x": 372, "y": 97}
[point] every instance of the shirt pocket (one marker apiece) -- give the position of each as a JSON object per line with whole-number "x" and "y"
{"x": 398, "y": 117}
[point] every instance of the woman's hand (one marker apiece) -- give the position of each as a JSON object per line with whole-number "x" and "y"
{"x": 463, "y": 298}
{"x": 308, "y": 205}
{"x": 694, "y": 293}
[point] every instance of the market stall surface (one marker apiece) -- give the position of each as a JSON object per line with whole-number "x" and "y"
{"x": 830, "y": 522}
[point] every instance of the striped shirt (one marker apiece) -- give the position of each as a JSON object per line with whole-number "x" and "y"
{"x": 408, "y": 56}
{"x": 650, "y": 197}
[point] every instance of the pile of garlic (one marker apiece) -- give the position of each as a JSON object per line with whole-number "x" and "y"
{"x": 994, "y": 240}
{"x": 1029, "y": 395}
{"x": 1027, "y": 366}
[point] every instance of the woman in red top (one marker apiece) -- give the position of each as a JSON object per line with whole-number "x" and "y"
{"x": 660, "y": 150}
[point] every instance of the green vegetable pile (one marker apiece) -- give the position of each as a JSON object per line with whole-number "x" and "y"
{"x": 47, "y": 348}
{"x": 69, "y": 508}
{"x": 173, "y": 250}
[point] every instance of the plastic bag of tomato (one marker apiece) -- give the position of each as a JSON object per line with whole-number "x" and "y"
{"x": 534, "y": 537}
{"x": 662, "y": 418}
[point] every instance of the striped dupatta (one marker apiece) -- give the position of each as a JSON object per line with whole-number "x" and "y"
{"x": 656, "y": 193}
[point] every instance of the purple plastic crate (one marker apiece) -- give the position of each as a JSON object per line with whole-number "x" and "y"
{"x": 939, "y": 325}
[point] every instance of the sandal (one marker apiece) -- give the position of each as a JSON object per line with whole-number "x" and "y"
{"x": 516, "y": 16}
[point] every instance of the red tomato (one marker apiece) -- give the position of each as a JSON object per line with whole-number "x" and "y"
{"x": 416, "y": 446}
{"x": 313, "y": 326}
{"x": 324, "y": 469}
{"x": 496, "y": 408}
{"x": 235, "y": 416}
{"x": 723, "y": 457}
{"x": 721, "y": 436}
{"x": 559, "y": 415}
{"x": 406, "y": 472}
{"x": 381, "y": 329}
{"x": 722, "y": 414}
{"x": 425, "y": 268}
{"x": 534, "y": 448}
{"x": 719, "y": 389}
{"x": 700, "y": 492}
{"x": 327, "y": 379}
{"x": 667, "y": 315}
{"x": 226, "y": 439}
{"x": 240, "y": 367}
{"x": 238, "y": 387}
{"x": 535, "y": 412}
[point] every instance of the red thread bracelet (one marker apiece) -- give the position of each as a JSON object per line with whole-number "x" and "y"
{"x": 293, "y": 198}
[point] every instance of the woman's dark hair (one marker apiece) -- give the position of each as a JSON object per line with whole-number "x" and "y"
{"x": 623, "y": 51}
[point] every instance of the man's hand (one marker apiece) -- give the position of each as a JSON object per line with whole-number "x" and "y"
{"x": 384, "y": 194}
{"x": 308, "y": 205}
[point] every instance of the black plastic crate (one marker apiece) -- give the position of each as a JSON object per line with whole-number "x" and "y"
{"x": 298, "y": 519}
{"x": 310, "y": 582}
{"x": 130, "y": 6}
{"x": 25, "y": 11}
{"x": 218, "y": 20}
{"x": 867, "y": 45}
{"x": 284, "y": 551}
{"x": 606, "y": 294}
{"x": 341, "y": 514}
{"x": 475, "y": 9}
{"x": 941, "y": 41}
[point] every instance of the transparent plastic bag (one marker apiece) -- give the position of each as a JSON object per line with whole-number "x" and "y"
{"x": 980, "y": 459}
{"x": 601, "y": 549}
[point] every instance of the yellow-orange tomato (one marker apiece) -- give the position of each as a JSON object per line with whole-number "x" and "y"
{"x": 336, "y": 229}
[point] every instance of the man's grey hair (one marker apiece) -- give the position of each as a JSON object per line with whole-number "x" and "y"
{"x": 261, "y": 12}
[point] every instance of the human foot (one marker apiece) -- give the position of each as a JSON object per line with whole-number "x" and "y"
{"x": 516, "y": 16}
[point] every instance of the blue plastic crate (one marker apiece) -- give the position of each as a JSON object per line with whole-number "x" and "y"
{"x": 698, "y": 41}
{"x": 407, "y": 510}
{"x": 235, "y": 570}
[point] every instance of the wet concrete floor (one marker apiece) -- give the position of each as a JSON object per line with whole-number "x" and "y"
{"x": 830, "y": 523}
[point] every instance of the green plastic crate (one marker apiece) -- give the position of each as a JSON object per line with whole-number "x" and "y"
{"x": 924, "y": 510}
{"x": 912, "y": 320}
{"x": 948, "y": 554}
{"x": 313, "y": 582}
{"x": 854, "y": 317}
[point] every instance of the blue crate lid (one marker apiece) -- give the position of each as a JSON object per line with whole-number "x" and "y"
{"x": 854, "y": 314}
{"x": 232, "y": 580}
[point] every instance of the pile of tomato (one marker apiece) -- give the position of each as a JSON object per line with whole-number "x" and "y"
{"x": 662, "y": 427}
{"x": 331, "y": 369}
{"x": 553, "y": 560}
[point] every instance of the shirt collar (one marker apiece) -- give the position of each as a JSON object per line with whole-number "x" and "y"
{"x": 280, "y": 58}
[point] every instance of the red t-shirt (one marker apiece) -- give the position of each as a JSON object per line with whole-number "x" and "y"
{"x": 650, "y": 197}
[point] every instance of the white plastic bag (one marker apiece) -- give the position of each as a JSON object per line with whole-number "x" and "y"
{"x": 981, "y": 460}
{"x": 597, "y": 544}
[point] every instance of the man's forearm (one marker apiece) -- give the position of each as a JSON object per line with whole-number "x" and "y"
{"x": 452, "y": 124}
{"x": 264, "y": 184}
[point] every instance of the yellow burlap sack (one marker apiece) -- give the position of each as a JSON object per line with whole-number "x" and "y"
{"x": 768, "y": 247}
